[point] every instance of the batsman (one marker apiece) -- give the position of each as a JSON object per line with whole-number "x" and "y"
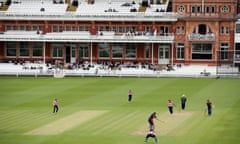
{"x": 151, "y": 121}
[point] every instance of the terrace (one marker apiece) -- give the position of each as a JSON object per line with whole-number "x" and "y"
{"x": 78, "y": 36}
{"x": 101, "y": 70}
{"x": 100, "y": 10}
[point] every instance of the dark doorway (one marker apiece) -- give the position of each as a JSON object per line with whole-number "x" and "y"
{"x": 202, "y": 29}
{"x": 68, "y": 54}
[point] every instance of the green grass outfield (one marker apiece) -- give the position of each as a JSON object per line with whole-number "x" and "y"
{"x": 95, "y": 110}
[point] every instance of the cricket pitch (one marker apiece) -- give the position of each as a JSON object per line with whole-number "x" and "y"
{"x": 65, "y": 123}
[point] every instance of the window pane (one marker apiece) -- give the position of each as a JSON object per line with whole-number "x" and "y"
{"x": 83, "y": 51}
{"x": 224, "y": 51}
{"x": 37, "y": 49}
{"x": 180, "y": 50}
{"x": 202, "y": 51}
{"x": 130, "y": 51}
{"x": 120, "y": 29}
{"x": 24, "y": 49}
{"x": 147, "y": 51}
{"x": 57, "y": 50}
{"x": 67, "y": 28}
{"x": 117, "y": 50}
{"x": 86, "y": 28}
{"x": 103, "y": 50}
{"x": 54, "y": 28}
{"x": 11, "y": 49}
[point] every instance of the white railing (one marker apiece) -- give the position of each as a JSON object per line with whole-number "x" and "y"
{"x": 210, "y": 36}
{"x": 103, "y": 16}
{"x": 84, "y": 37}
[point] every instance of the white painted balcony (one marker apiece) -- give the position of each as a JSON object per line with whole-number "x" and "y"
{"x": 84, "y": 36}
{"x": 201, "y": 37}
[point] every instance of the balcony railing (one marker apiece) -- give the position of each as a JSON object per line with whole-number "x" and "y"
{"x": 85, "y": 37}
{"x": 71, "y": 16}
{"x": 200, "y": 37}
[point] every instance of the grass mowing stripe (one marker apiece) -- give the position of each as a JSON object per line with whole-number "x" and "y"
{"x": 101, "y": 125}
{"x": 172, "y": 122}
{"x": 34, "y": 96}
{"x": 120, "y": 123}
{"x": 169, "y": 126}
{"x": 112, "y": 123}
{"x": 16, "y": 119}
{"x": 65, "y": 123}
{"x": 21, "y": 120}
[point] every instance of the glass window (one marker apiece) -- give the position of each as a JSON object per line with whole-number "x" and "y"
{"x": 227, "y": 30}
{"x": 210, "y": 9}
{"x": 24, "y": 49}
{"x": 163, "y": 30}
{"x": 117, "y": 50}
{"x": 83, "y": 51}
{"x": 224, "y": 51}
{"x": 57, "y": 50}
{"x": 183, "y": 29}
{"x": 60, "y": 28}
{"x": 11, "y": 49}
{"x": 130, "y": 51}
{"x": 202, "y": 51}
{"x": 114, "y": 28}
{"x": 198, "y": 9}
{"x": 180, "y": 50}
{"x": 147, "y": 51}
{"x": 134, "y": 28}
{"x": 40, "y": 28}
{"x": 34, "y": 28}
{"x": 164, "y": 51}
{"x": 37, "y": 49}
{"x": 21, "y": 27}
{"x": 80, "y": 28}
{"x": 221, "y": 30}
{"x": 225, "y": 9}
{"x": 28, "y": 28}
{"x": 8, "y": 27}
{"x": 193, "y": 9}
{"x": 73, "y": 28}
{"x": 67, "y": 28}
{"x": 103, "y": 50}
{"x": 101, "y": 28}
{"x": 237, "y": 28}
{"x": 120, "y": 29}
{"x": 207, "y": 9}
{"x": 128, "y": 28}
{"x": 14, "y": 27}
{"x": 54, "y": 28}
{"x": 213, "y": 9}
{"x": 73, "y": 52}
{"x": 147, "y": 29}
{"x": 86, "y": 28}
{"x": 107, "y": 28}
{"x": 181, "y": 9}
{"x": 178, "y": 30}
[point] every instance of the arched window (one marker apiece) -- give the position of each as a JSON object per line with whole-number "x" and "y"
{"x": 202, "y": 29}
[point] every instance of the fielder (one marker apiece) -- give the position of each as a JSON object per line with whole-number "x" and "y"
{"x": 55, "y": 106}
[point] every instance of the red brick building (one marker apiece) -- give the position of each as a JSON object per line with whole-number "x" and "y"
{"x": 157, "y": 32}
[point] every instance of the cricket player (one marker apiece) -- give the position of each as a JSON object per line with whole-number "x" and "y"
{"x": 183, "y": 101}
{"x": 151, "y": 120}
{"x": 55, "y": 106}
{"x": 170, "y": 105}
{"x": 152, "y": 135}
{"x": 130, "y": 94}
{"x": 209, "y": 107}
